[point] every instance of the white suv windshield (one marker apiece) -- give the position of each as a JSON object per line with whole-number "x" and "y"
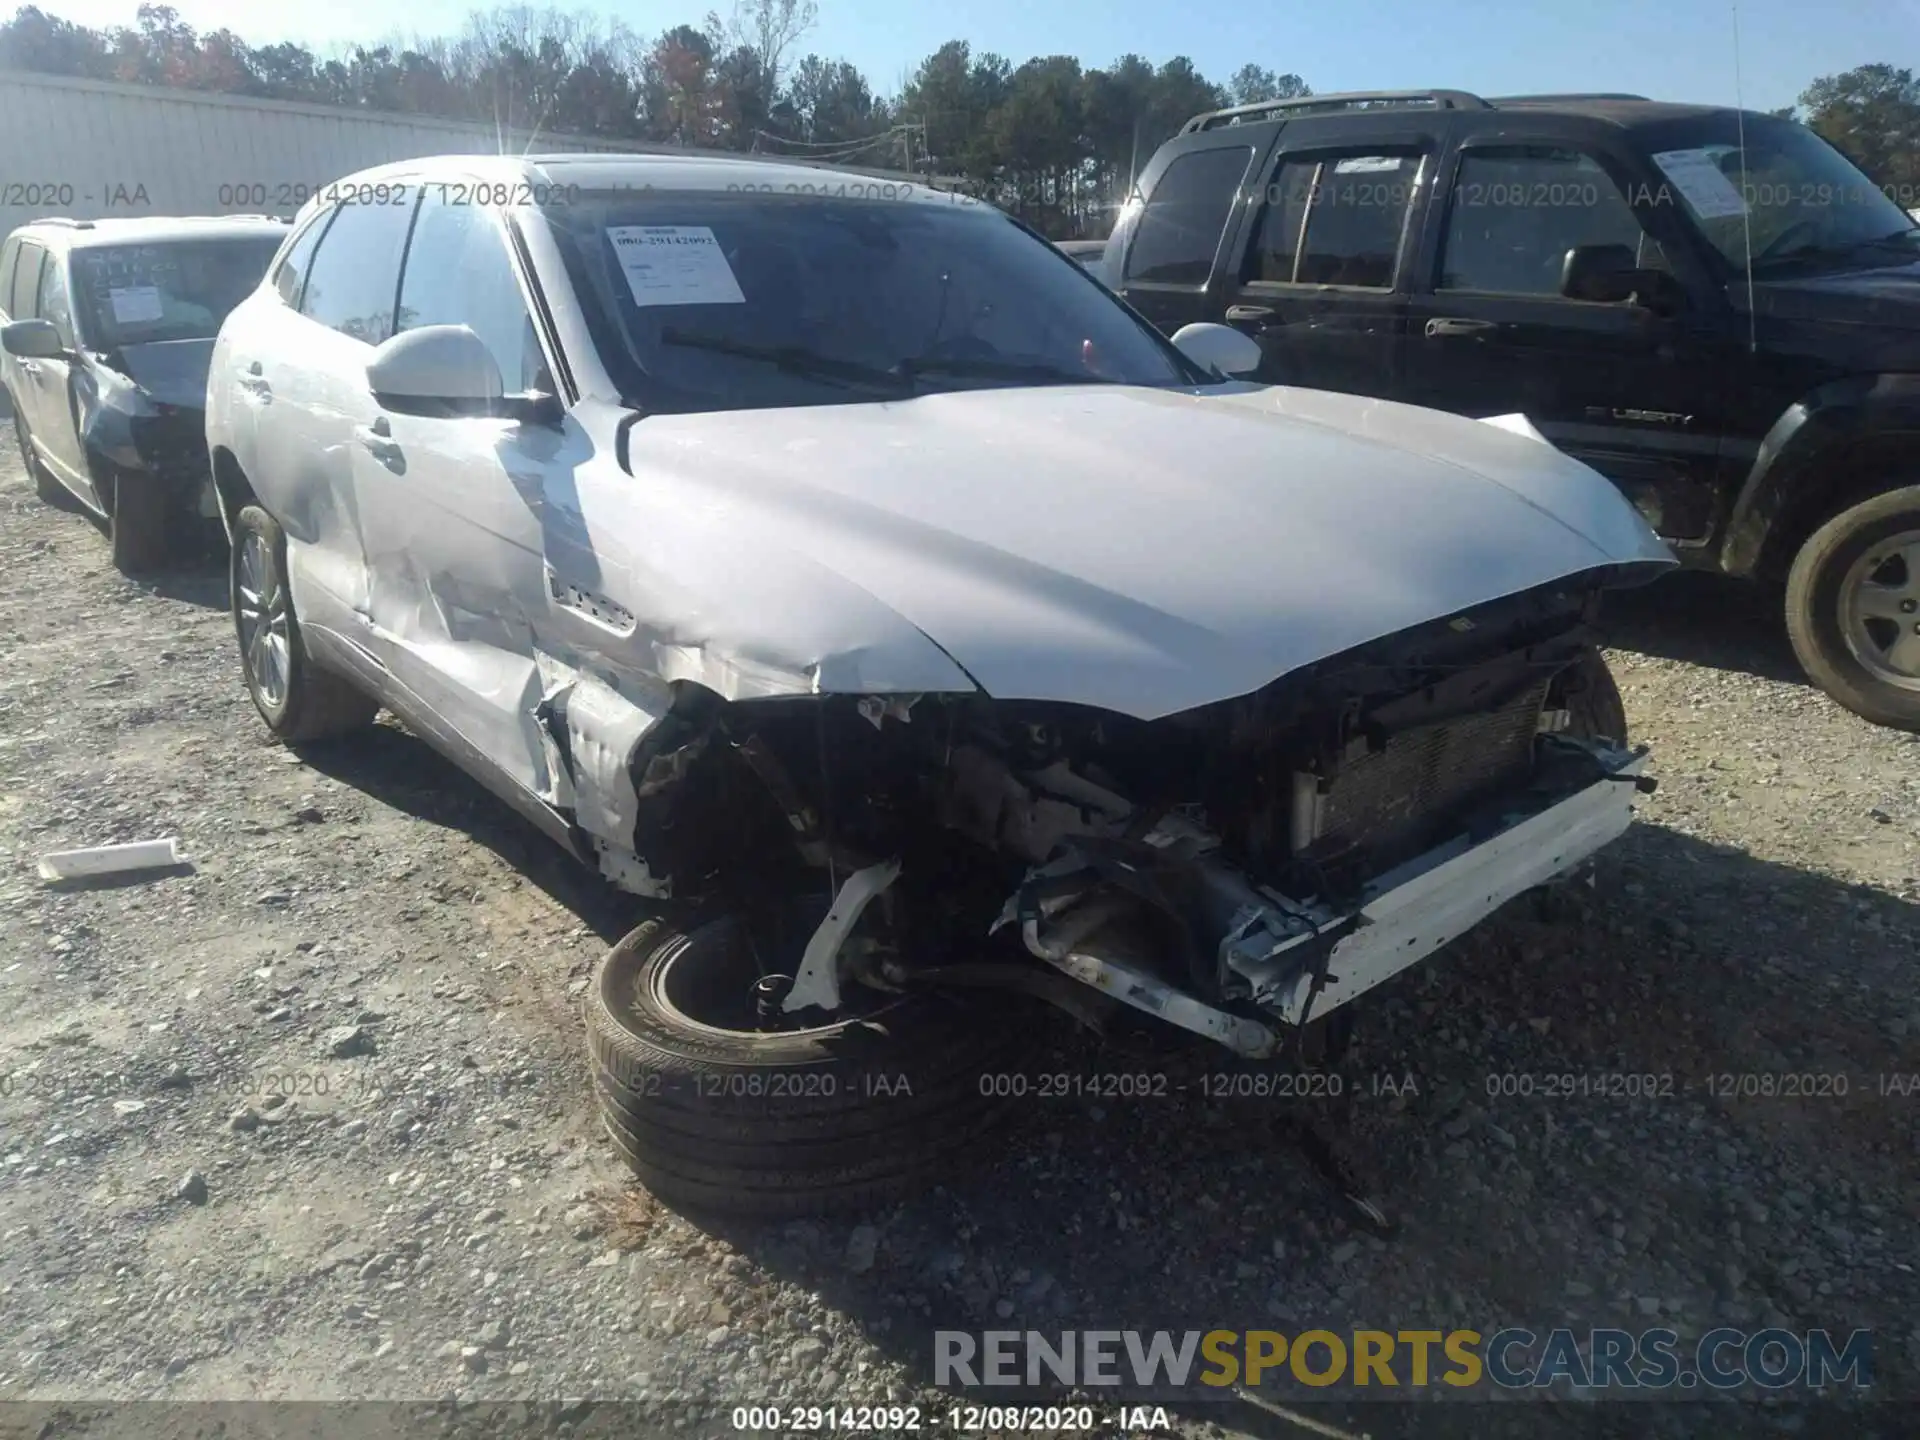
{"x": 703, "y": 300}
{"x": 168, "y": 290}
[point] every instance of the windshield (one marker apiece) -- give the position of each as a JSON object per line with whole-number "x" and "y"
{"x": 703, "y": 300}
{"x": 1809, "y": 206}
{"x": 170, "y": 290}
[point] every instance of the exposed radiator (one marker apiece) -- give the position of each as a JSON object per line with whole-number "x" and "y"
{"x": 1396, "y": 802}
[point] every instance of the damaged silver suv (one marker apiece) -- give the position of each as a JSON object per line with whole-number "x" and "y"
{"x": 839, "y": 557}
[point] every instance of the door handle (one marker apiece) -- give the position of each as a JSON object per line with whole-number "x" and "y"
{"x": 1450, "y": 326}
{"x": 378, "y": 440}
{"x": 1250, "y": 315}
{"x": 29, "y": 367}
{"x": 255, "y": 384}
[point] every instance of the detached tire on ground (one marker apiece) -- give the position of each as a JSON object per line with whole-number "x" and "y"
{"x": 298, "y": 700}
{"x": 790, "y": 1123}
{"x": 1853, "y": 608}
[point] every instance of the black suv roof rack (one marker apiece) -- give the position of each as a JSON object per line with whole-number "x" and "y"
{"x": 1344, "y": 100}
{"x": 1574, "y": 95}
{"x": 62, "y": 220}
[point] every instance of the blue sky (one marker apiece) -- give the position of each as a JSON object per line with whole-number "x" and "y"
{"x": 1669, "y": 49}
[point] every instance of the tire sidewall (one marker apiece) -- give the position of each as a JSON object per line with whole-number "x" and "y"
{"x": 252, "y": 520}
{"x": 1814, "y": 602}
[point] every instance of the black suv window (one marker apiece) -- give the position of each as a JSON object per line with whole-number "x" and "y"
{"x": 458, "y": 273}
{"x": 1516, "y": 211}
{"x": 354, "y": 274}
{"x": 1334, "y": 220}
{"x": 21, "y": 300}
{"x": 292, "y": 273}
{"x": 1178, "y": 233}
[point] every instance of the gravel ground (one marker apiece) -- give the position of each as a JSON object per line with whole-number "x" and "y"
{"x": 312, "y": 1121}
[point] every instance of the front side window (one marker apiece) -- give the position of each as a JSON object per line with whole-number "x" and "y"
{"x": 356, "y": 270}
{"x": 704, "y": 300}
{"x": 1178, "y": 233}
{"x": 1334, "y": 220}
{"x": 1517, "y": 210}
{"x": 167, "y": 290}
{"x": 1789, "y": 196}
{"x": 23, "y": 301}
{"x": 53, "y": 301}
{"x": 9, "y": 256}
{"x": 292, "y": 274}
{"x": 458, "y": 272}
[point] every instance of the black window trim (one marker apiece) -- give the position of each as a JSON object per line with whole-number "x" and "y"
{"x": 1611, "y": 165}
{"x": 1425, "y": 147}
{"x": 9, "y": 261}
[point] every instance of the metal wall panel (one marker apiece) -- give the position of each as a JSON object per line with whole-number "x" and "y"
{"x": 89, "y": 149}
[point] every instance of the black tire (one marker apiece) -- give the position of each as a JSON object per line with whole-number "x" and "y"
{"x": 1814, "y": 621}
{"x": 50, "y": 490}
{"x": 779, "y": 1125}
{"x": 317, "y": 704}
{"x": 1595, "y": 710}
{"x": 141, "y": 523}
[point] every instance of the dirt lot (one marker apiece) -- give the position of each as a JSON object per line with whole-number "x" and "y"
{"x": 431, "y": 1213}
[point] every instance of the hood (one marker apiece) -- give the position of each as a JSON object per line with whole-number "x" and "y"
{"x": 174, "y": 372}
{"x": 1888, "y": 297}
{"x": 1142, "y": 551}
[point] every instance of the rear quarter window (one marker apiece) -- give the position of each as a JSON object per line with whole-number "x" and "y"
{"x": 1178, "y": 232}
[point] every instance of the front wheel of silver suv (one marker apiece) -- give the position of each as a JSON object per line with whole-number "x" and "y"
{"x": 297, "y": 699}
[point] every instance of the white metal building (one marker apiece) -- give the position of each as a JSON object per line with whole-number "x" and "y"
{"x": 91, "y": 149}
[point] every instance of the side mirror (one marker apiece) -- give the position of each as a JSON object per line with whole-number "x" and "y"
{"x": 437, "y": 369}
{"x": 1219, "y": 349}
{"x": 1610, "y": 274}
{"x": 33, "y": 340}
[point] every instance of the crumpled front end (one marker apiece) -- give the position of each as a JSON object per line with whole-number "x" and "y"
{"x": 1238, "y": 869}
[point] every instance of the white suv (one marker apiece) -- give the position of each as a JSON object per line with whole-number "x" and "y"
{"x": 839, "y": 553}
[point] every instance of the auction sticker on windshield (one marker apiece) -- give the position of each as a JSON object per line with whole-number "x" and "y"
{"x": 1702, "y": 183}
{"x": 135, "y": 304}
{"x": 674, "y": 265}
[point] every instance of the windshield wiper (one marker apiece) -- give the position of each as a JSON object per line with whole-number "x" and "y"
{"x": 991, "y": 369}
{"x": 794, "y": 360}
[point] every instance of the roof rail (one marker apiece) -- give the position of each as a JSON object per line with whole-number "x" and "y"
{"x": 62, "y": 220}
{"x": 1345, "y": 100}
{"x": 1571, "y": 95}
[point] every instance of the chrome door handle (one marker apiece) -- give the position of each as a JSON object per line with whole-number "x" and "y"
{"x": 1450, "y": 326}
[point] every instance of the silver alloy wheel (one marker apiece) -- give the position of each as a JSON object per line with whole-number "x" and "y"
{"x": 260, "y": 603}
{"x": 1880, "y": 610}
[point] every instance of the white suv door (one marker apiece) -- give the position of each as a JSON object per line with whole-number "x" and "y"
{"x": 452, "y": 506}
{"x": 303, "y": 369}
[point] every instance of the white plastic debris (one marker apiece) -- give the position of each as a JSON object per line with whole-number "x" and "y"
{"x": 101, "y": 860}
{"x": 1516, "y": 424}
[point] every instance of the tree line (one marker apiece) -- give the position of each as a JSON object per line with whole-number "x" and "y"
{"x": 1050, "y": 139}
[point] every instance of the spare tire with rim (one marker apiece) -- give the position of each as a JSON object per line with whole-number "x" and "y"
{"x": 714, "y": 1114}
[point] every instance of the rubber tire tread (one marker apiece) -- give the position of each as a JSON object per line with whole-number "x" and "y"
{"x": 662, "y": 1086}
{"x": 320, "y": 705}
{"x": 49, "y": 490}
{"x": 1813, "y": 607}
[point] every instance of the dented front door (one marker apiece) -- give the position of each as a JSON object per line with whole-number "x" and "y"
{"x": 456, "y": 577}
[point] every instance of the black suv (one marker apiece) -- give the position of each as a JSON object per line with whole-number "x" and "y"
{"x": 1711, "y": 307}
